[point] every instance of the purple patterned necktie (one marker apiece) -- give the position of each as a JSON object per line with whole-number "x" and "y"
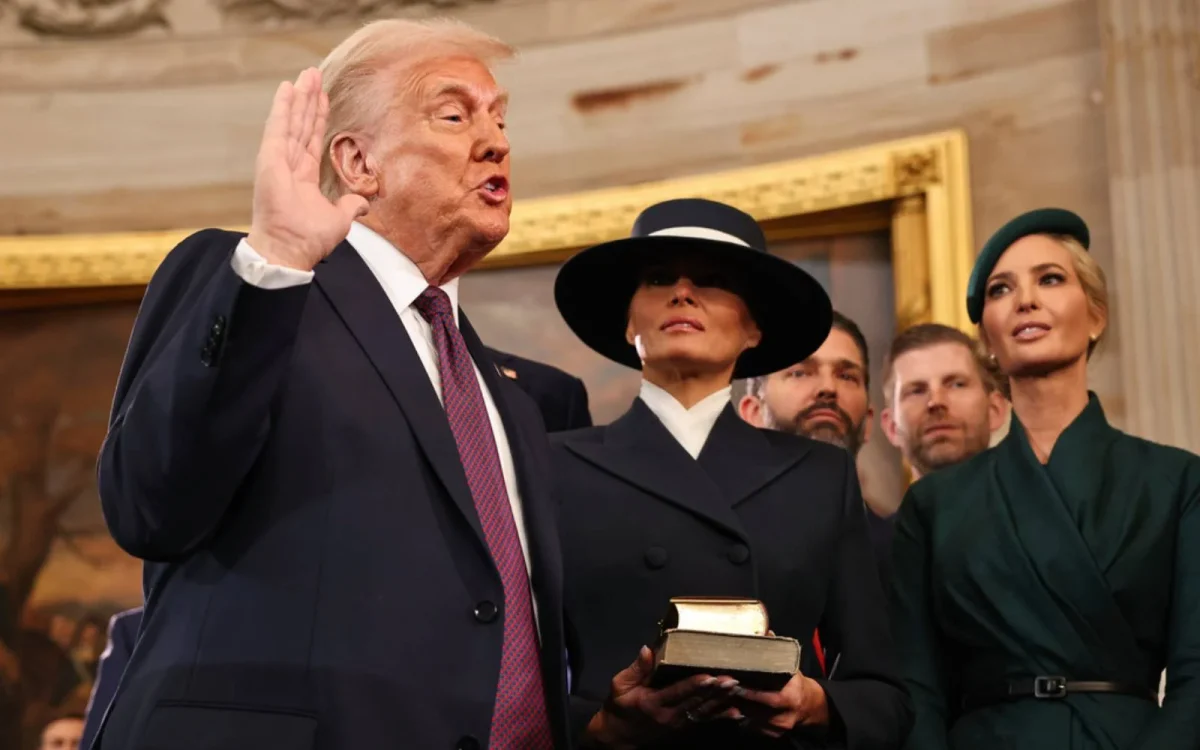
{"x": 519, "y": 720}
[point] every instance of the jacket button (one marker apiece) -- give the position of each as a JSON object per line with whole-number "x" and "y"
{"x": 218, "y": 326}
{"x": 656, "y": 557}
{"x": 467, "y": 743}
{"x": 485, "y": 611}
{"x": 738, "y": 554}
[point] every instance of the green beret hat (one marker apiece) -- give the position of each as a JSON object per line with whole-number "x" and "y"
{"x": 1039, "y": 221}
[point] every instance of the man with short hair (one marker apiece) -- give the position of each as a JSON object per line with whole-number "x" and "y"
{"x": 943, "y": 400}
{"x": 342, "y": 504}
{"x": 825, "y": 397}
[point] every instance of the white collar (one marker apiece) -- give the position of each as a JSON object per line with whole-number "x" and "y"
{"x": 400, "y": 278}
{"x": 691, "y": 427}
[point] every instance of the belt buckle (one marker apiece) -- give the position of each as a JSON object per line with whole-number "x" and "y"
{"x": 1050, "y": 687}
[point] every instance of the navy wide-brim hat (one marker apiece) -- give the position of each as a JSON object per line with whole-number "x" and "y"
{"x": 1039, "y": 221}
{"x": 594, "y": 288}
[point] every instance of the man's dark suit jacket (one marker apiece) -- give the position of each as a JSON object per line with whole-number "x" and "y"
{"x": 760, "y": 514}
{"x": 561, "y": 397}
{"x": 122, "y": 635}
{"x": 316, "y": 573}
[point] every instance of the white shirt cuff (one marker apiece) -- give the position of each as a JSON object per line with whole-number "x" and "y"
{"x": 256, "y": 271}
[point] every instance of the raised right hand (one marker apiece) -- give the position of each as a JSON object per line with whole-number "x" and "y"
{"x": 636, "y": 714}
{"x": 293, "y": 224}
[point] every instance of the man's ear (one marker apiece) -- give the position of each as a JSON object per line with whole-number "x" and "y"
{"x": 867, "y": 426}
{"x": 353, "y": 164}
{"x": 749, "y": 408}
{"x": 997, "y": 410}
{"x": 888, "y": 423}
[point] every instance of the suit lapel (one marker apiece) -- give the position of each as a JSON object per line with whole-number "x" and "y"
{"x": 741, "y": 460}
{"x": 638, "y": 449}
{"x": 366, "y": 310}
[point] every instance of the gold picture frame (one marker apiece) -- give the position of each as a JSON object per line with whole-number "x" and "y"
{"x": 917, "y": 187}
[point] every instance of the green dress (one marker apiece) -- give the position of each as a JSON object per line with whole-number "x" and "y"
{"x": 1087, "y": 567}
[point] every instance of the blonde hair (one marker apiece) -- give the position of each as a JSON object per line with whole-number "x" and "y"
{"x": 1092, "y": 279}
{"x": 357, "y": 74}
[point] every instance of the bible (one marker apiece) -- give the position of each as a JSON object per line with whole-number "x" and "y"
{"x": 721, "y": 636}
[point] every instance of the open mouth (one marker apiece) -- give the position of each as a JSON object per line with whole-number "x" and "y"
{"x": 682, "y": 325}
{"x": 495, "y": 189}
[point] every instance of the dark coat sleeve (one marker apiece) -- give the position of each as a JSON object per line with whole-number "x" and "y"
{"x": 192, "y": 406}
{"x": 122, "y": 635}
{"x": 868, "y": 704}
{"x": 914, "y": 626}
{"x": 1177, "y": 725}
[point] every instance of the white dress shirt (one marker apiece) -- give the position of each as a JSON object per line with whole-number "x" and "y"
{"x": 691, "y": 427}
{"x": 403, "y": 282}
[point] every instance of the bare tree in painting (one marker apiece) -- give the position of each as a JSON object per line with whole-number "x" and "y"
{"x": 58, "y": 369}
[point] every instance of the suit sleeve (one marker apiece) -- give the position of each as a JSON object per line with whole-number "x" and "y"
{"x": 868, "y": 705}
{"x": 192, "y": 406}
{"x": 914, "y": 627}
{"x": 122, "y": 634}
{"x": 1177, "y": 725}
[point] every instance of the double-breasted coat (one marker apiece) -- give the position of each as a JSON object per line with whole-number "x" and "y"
{"x": 757, "y": 514}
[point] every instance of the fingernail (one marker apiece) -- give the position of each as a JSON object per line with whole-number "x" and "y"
{"x": 728, "y": 684}
{"x": 709, "y": 681}
{"x": 739, "y": 692}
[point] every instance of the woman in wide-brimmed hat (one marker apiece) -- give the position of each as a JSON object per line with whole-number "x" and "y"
{"x": 680, "y": 497}
{"x": 1042, "y": 586}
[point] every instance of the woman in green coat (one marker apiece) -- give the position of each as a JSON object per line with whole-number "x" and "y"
{"x": 1042, "y": 586}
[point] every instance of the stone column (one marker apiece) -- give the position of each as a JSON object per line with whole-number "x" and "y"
{"x": 1152, "y": 106}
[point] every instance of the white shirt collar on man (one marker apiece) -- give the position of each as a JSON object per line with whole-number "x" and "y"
{"x": 691, "y": 427}
{"x": 400, "y": 278}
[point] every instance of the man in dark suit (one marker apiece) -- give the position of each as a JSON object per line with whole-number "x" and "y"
{"x": 342, "y": 505}
{"x": 122, "y": 635}
{"x": 561, "y": 397}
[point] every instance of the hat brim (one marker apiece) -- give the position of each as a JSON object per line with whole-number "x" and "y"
{"x": 791, "y": 308}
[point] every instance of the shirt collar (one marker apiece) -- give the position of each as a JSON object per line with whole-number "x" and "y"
{"x": 691, "y": 427}
{"x": 400, "y": 278}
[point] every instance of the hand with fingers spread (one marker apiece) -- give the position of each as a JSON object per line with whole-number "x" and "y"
{"x": 293, "y": 224}
{"x": 800, "y": 702}
{"x": 635, "y": 713}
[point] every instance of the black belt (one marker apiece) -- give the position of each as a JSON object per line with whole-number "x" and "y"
{"x": 1048, "y": 688}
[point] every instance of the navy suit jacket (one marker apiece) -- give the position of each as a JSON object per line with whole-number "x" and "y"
{"x": 316, "y": 574}
{"x": 561, "y": 397}
{"x": 122, "y": 635}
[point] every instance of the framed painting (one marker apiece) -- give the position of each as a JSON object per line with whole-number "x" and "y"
{"x": 886, "y": 228}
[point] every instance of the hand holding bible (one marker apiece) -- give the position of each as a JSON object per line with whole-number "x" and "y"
{"x": 292, "y": 223}
{"x": 635, "y": 713}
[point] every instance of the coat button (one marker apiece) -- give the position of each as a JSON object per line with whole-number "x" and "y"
{"x": 485, "y": 611}
{"x": 738, "y": 554}
{"x": 656, "y": 557}
{"x": 467, "y": 743}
